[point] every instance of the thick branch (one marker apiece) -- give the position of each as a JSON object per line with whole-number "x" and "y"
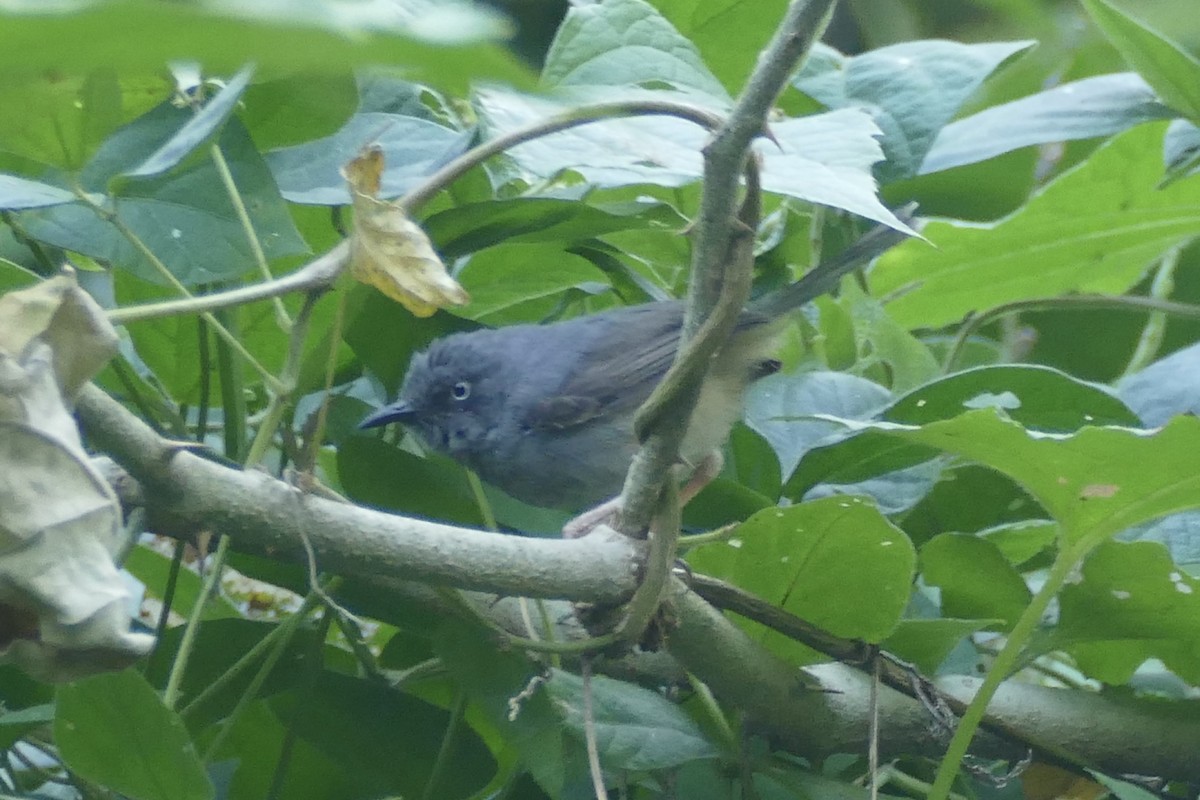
{"x": 817, "y": 711}
{"x": 823, "y": 710}
{"x": 187, "y": 494}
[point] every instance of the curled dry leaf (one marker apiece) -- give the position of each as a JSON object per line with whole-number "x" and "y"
{"x": 389, "y": 251}
{"x": 64, "y": 608}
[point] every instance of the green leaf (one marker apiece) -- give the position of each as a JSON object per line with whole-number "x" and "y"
{"x": 968, "y": 498}
{"x": 1038, "y": 397}
{"x": 817, "y": 560}
{"x": 824, "y": 158}
{"x": 728, "y": 33}
{"x": 64, "y": 118}
{"x": 1096, "y": 228}
{"x": 1172, "y": 71}
{"x": 185, "y": 216}
{"x": 388, "y": 738}
{"x": 1181, "y": 150}
{"x": 912, "y": 89}
{"x": 626, "y": 43}
{"x": 433, "y": 487}
{"x": 1086, "y": 109}
{"x": 1094, "y": 483}
{"x": 927, "y": 642}
{"x": 491, "y": 680}
{"x": 1179, "y": 533}
{"x": 780, "y": 409}
{"x": 523, "y": 282}
{"x": 1133, "y": 591}
{"x": 449, "y": 44}
{"x": 1168, "y": 387}
{"x": 152, "y": 568}
{"x": 975, "y": 579}
{"x": 17, "y": 193}
{"x": 413, "y": 149}
{"x": 199, "y": 129}
{"x": 15, "y": 725}
{"x": 474, "y": 226}
{"x": 114, "y": 730}
{"x": 1020, "y": 541}
{"x": 636, "y": 729}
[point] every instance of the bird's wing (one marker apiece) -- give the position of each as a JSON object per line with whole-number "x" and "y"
{"x": 619, "y": 368}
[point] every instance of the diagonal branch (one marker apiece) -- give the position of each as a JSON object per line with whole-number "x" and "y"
{"x": 720, "y": 282}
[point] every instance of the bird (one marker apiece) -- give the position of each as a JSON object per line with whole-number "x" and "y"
{"x": 545, "y": 411}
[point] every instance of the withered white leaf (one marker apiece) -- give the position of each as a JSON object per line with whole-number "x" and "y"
{"x": 388, "y": 250}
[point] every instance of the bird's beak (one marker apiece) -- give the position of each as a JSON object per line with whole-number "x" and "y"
{"x": 399, "y": 411}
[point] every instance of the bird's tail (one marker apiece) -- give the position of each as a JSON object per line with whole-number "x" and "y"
{"x": 824, "y": 277}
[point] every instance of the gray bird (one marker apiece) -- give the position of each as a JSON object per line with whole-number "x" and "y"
{"x": 545, "y": 412}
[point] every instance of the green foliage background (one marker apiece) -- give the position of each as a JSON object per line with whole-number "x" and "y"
{"x": 963, "y": 438}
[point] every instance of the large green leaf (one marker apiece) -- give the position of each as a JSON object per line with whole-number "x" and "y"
{"x": 818, "y": 560}
{"x": 1098, "y": 106}
{"x": 64, "y": 118}
{"x": 1133, "y": 592}
{"x": 1097, "y": 228}
{"x": 1172, "y": 71}
{"x": 447, "y": 43}
{"x": 911, "y": 89}
{"x": 1168, "y": 387}
{"x": 1094, "y": 483}
{"x": 975, "y": 579}
{"x": 18, "y": 193}
{"x": 377, "y": 474}
{"x": 728, "y": 33}
{"x": 197, "y": 130}
{"x": 781, "y": 409}
{"x": 474, "y": 226}
{"x": 493, "y": 680}
{"x": 626, "y": 43}
{"x": 524, "y": 282}
{"x": 413, "y": 148}
{"x": 1037, "y": 397}
{"x": 636, "y": 729}
{"x": 185, "y": 217}
{"x": 115, "y": 731}
{"x": 825, "y": 158}
{"x": 389, "y": 739}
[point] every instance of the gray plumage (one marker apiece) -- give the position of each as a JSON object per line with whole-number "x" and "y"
{"x": 545, "y": 412}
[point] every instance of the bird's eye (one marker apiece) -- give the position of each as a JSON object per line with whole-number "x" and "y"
{"x": 461, "y": 390}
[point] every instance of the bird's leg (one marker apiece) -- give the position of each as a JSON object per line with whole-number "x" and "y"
{"x": 608, "y": 512}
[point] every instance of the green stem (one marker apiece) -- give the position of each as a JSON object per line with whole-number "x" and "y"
{"x": 1083, "y": 301}
{"x": 168, "y": 599}
{"x": 1004, "y": 663}
{"x": 281, "y": 643}
{"x": 188, "y": 642}
{"x": 713, "y": 711}
{"x": 113, "y": 219}
{"x": 485, "y": 508}
{"x": 277, "y": 405}
{"x": 449, "y": 740}
{"x": 239, "y": 207}
{"x": 251, "y": 656}
{"x": 1151, "y": 338}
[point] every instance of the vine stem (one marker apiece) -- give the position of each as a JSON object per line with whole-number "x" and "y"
{"x": 1004, "y": 664}
{"x": 1083, "y": 301}
{"x": 239, "y": 208}
{"x": 323, "y": 270}
{"x": 188, "y": 642}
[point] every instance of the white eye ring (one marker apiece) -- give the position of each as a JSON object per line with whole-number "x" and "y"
{"x": 461, "y": 390}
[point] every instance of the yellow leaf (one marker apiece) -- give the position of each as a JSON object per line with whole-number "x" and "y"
{"x": 388, "y": 250}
